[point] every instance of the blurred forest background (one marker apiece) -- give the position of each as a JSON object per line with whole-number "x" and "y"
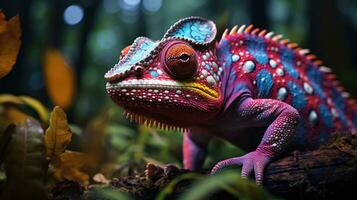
{"x": 88, "y": 35}
{"x": 91, "y": 33}
{"x": 68, "y": 45}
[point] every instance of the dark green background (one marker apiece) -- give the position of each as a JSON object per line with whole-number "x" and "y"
{"x": 327, "y": 27}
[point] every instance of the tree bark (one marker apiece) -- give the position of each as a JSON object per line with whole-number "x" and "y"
{"x": 327, "y": 173}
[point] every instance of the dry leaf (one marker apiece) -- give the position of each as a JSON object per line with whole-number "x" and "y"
{"x": 3, "y": 23}
{"x": 10, "y": 33}
{"x": 58, "y": 135}
{"x": 73, "y": 165}
{"x": 100, "y": 178}
{"x": 59, "y": 77}
{"x": 11, "y": 114}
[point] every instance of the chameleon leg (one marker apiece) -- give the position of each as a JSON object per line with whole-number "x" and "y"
{"x": 194, "y": 148}
{"x": 281, "y": 120}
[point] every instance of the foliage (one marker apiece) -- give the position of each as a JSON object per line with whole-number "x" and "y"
{"x": 10, "y": 34}
{"x": 25, "y": 164}
{"x": 58, "y": 134}
{"x": 11, "y": 111}
{"x": 229, "y": 181}
{"x": 68, "y": 165}
{"x": 95, "y": 143}
{"x": 59, "y": 76}
{"x": 106, "y": 194}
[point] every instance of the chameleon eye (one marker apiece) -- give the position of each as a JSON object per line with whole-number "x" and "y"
{"x": 181, "y": 61}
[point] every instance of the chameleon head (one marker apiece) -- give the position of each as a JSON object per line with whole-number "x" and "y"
{"x": 174, "y": 81}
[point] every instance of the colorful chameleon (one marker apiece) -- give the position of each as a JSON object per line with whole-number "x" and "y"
{"x": 248, "y": 85}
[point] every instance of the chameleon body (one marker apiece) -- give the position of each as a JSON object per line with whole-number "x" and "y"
{"x": 252, "y": 88}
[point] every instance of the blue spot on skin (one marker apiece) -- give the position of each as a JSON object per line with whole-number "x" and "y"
{"x": 208, "y": 67}
{"x": 194, "y": 30}
{"x": 326, "y": 115}
{"x": 287, "y": 59}
{"x": 299, "y": 99}
{"x": 257, "y": 48}
{"x": 339, "y": 102}
{"x": 264, "y": 82}
{"x": 154, "y": 74}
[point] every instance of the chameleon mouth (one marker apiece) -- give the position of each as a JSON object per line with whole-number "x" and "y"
{"x": 164, "y": 85}
{"x": 139, "y": 119}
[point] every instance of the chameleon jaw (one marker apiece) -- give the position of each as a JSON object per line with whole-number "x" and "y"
{"x": 166, "y": 85}
{"x": 173, "y": 103}
{"x": 140, "y": 119}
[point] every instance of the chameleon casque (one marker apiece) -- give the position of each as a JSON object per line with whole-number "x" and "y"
{"x": 251, "y": 87}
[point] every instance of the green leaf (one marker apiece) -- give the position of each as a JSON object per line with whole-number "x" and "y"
{"x": 25, "y": 163}
{"x": 229, "y": 181}
{"x": 106, "y": 194}
{"x": 171, "y": 186}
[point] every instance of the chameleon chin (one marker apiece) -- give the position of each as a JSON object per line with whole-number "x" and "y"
{"x": 249, "y": 79}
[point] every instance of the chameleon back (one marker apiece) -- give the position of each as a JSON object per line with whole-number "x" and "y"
{"x": 271, "y": 68}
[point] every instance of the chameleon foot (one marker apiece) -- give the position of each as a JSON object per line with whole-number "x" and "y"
{"x": 255, "y": 160}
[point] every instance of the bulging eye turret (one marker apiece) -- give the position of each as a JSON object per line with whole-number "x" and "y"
{"x": 181, "y": 61}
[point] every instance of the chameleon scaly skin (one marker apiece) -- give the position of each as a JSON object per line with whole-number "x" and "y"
{"x": 254, "y": 89}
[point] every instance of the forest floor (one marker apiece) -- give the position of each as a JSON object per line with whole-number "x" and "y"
{"x": 329, "y": 172}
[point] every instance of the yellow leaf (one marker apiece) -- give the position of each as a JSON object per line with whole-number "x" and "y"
{"x": 10, "y": 33}
{"x": 29, "y": 101}
{"x": 9, "y": 98}
{"x": 73, "y": 165}
{"x": 59, "y": 77}
{"x": 58, "y": 135}
{"x": 36, "y": 105}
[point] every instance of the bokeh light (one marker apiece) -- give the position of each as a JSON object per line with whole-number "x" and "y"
{"x": 152, "y": 5}
{"x": 129, "y": 5}
{"x": 73, "y": 14}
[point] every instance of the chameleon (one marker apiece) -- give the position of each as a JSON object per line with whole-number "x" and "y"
{"x": 251, "y": 87}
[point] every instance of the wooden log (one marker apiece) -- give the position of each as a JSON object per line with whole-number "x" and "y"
{"x": 328, "y": 173}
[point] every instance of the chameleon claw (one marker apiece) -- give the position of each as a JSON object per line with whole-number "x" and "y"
{"x": 254, "y": 161}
